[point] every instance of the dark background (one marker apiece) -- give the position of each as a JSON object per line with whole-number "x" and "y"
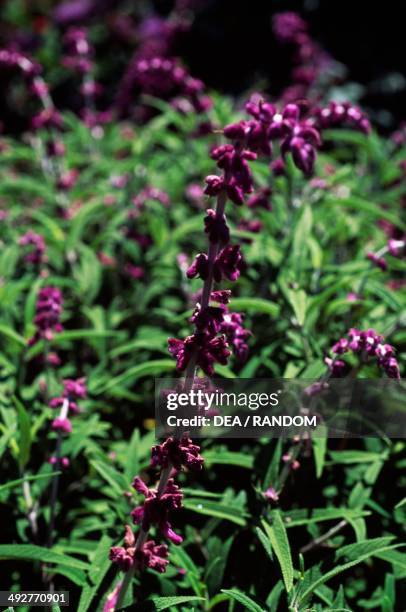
{"x": 230, "y": 45}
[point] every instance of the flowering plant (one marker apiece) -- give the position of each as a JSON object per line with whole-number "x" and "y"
{"x": 176, "y": 232}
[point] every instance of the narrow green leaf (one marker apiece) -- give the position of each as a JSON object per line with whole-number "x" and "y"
{"x": 24, "y": 427}
{"x": 222, "y": 511}
{"x": 242, "y": 598}
{"x": 276, "y": 533}
{"x": 255, "y": 305}
{"x": 162, "y": 603}
{"x": 30, "y": 552}
{"x": 150, "y": 368}
{"x": 12, "y": 334}
{"x": 319, "y": 445}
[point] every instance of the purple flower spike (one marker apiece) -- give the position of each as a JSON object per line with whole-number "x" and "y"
{"x": 200, "y": 267}
{"x": 37, "y": 255}
{"x": 48, "y": 311}
{"x": 62, "y": 425}
{"x": 155, "y": 510}
{"x": 216, "y": 227}
{"x": 179, "y": 453}
{"x": 228, "y": 263}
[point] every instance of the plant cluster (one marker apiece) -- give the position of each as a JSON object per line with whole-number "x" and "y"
{"x": 124, "y": 257}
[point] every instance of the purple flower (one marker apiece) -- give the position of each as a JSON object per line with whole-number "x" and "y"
{"x": 228, "y": 263}
{"x": 208, "y": 319}
{"x": 221, "y": 297}
{"x": 59, "y": 462}
{"x": 78, "y": 49}
{"x": 135, "y": 272}
{"x": 155, "y": 509}
{"x": 271, "y": 495}
{"x": 200, "y": 267}
{"x": 37, "y": 255}
{"x": 288, "y": 27}
{"x": 111, "y": 601}
{"x": 162, "y": 78}
{"x": 336, "y": 367}
{"x": 236, "y": 334}
{"x": 371, "y": 345}
{"x": 152, "y": 555}
{"x": 14, "y": 59}
{"x": 342, "y": 114}
{"x": 341, "y": 346}
{"x": 47, "y": 317}
{"x": 377, "y": 261}
{"x": 62, "y": 425}
{"x": 260, "y": 199}
{"x": 151, "y": 193}
{"x": 234, "y": 162}
{"x": 75, "y": 388}
{"x": 178, "y": 453}
{"x": 216, "y": 227}
{"x": 47, "y": 118}
{"x": 397, "y": 247}
{"x": 206, "y": 349}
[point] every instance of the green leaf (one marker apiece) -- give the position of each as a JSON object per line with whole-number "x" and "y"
{"x": 273, "y": 467}
{"x": 276, "y": 533}
{"x": 354, "y": 456}
{"x": 12, "y": 334}
{"x": 395, "y": 557}
{"x": 299, "y": 303}
{"x": 24, "y": 427}
{"x": 15, "y": 483}
{"x": 88, "y": 213}
{"x": 319, "y": 445}
{"x": 255, "y": 305}
{"x": 98, "y": 569}
{"x": 162, "y": 603}
{"x": 295, "y": 518}
{"x": 83, "y": 334}
{"x": 265, "y": 542}
{"x": 30, "y": 552}
{"x": 115, "y": 479}
{"x": 359, "y": 552}
{"x": 401, "y": 503}
{"x": 247, "y": 602}
{"x": 222, "y": 511}
{"x": 223, "y": 457}
{"x": 301, "y": 236}
{"x": 150, "y": 368}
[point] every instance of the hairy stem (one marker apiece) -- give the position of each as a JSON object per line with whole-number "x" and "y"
{"x": 318, "y": 541}
{"x": 189, "y": 378}
{"x": 55, "y": 480}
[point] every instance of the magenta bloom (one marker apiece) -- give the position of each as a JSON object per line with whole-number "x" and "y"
{"x": 236, "y": 334}
{"x": 62, "y": 425}
{"x": 228, "y": 263}
{"x": 377, "y": 261}
{"x": 178, "y": 453}
{"x": 371, "y": 345}
{"x": 48, "y": 311}
{"x": 152, "y": 555}
{"x": 288, "y": 27}
{"x": 342, "y": 114}
{"x": 37, "y": 255}
{"x": 155, "y": 510}
{"x": 216, "y": 227}
{"x": 260, "y": 199}
{"x": 271, "y": 495}
{"x": 208, "y": 350}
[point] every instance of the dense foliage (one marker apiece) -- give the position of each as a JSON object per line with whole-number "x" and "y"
{"x": 101, "y": 218}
